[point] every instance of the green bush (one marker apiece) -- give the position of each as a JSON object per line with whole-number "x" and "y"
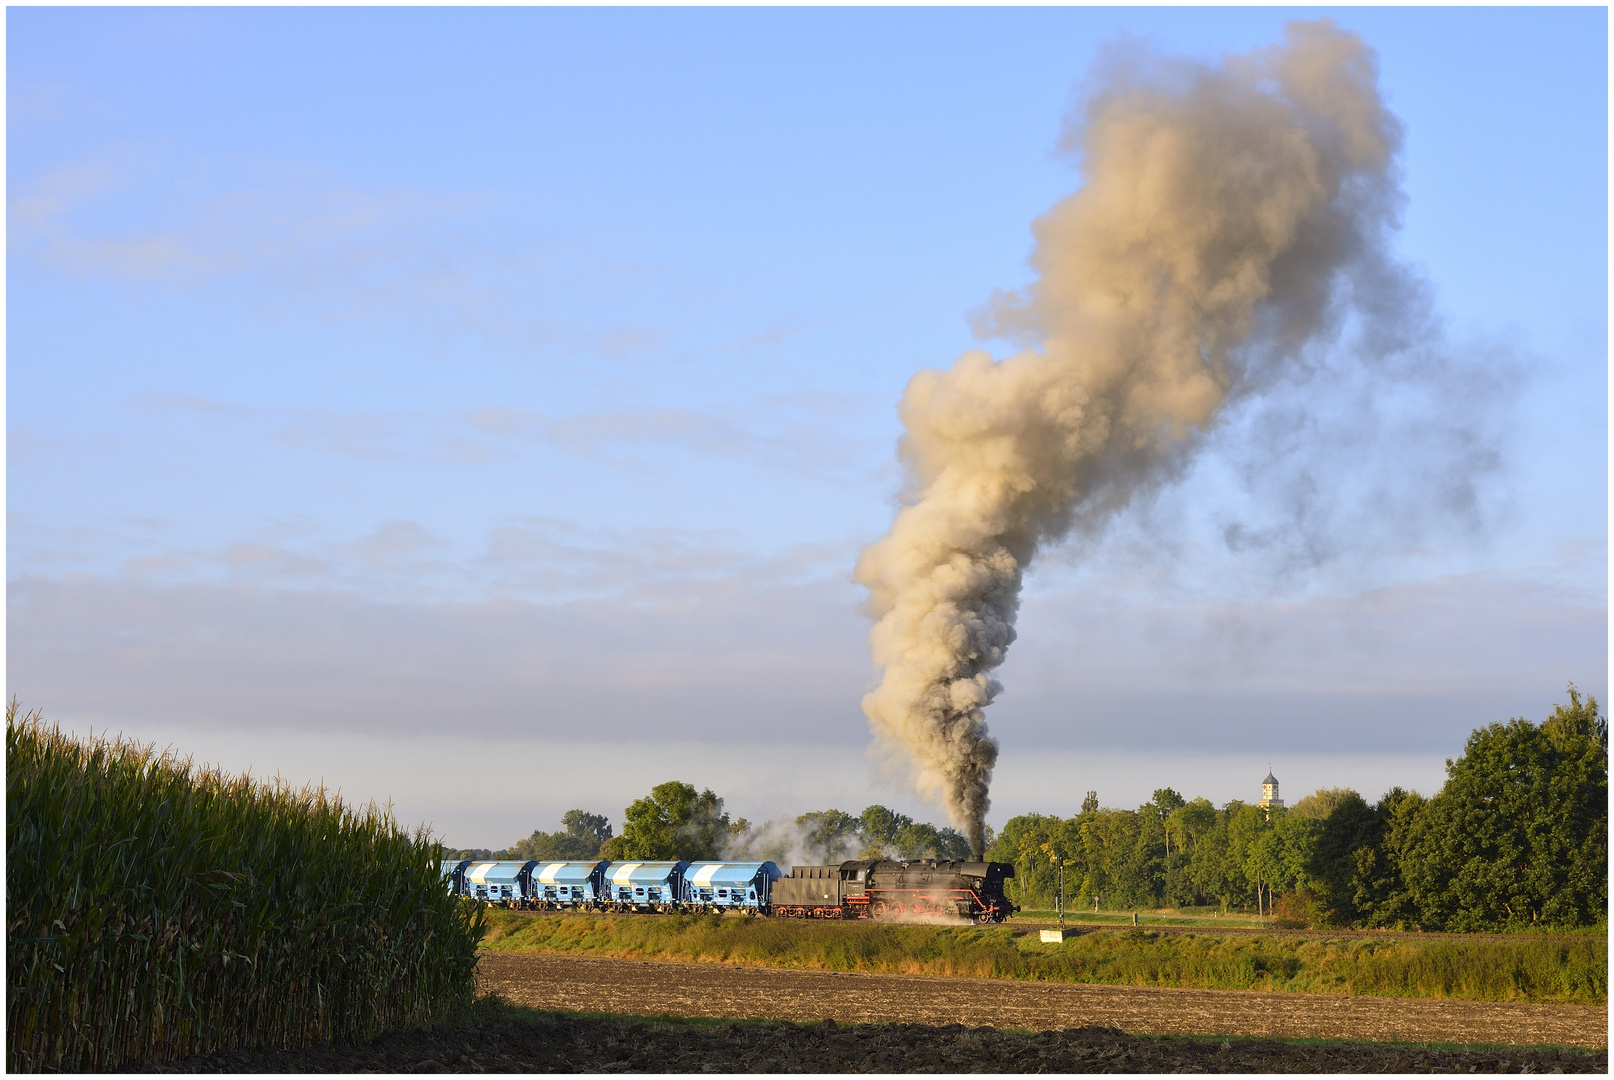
{"x": 156, "y": 911}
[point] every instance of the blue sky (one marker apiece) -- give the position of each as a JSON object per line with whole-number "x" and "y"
{"x": 515, "y": 388}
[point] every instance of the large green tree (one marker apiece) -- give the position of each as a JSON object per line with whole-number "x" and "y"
{"x": 1348, "y": 831}
{"x": 878, "y": 827}
{"x": 1380, "y": 895}
{"x": 673, "y": 822}
{"x": 829, "y": 836}
{"x": 1519, "y": 834}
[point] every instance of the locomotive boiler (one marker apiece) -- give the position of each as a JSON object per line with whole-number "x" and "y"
{"x": 930, "y": 888}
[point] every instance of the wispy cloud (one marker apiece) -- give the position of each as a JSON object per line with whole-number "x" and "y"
{"x": 25, "y": 445}
{"x": 731, "y": 655}
{"x": 530, "y": 559}
{"x": 188, "y": 403}
{"x": 278, "y": 237}
{"x": 744, "y": 655}
{"x": 1403, "y": 667}
{"x": 281, "y": 220}
{"x": 799, "y": 433}
{"x": 369, "y": 436}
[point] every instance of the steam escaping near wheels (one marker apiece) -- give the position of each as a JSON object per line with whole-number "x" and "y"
{"x": 1230, "y": 215}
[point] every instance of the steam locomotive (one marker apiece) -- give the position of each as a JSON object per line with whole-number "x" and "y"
{"x": 860, "y": 889}
{"x": 895, "y": 890}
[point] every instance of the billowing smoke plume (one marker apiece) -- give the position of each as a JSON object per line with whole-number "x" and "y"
{"x": 1227, "y": 215}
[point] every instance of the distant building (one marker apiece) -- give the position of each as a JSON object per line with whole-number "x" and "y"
{"x": 1269, "y": 792}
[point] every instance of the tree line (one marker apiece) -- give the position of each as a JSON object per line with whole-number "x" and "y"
{"x": 1517, "y": 837}
{"x": 675, "y": 821}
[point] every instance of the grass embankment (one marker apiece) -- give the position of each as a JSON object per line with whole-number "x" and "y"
{"x": 155, "y": 911}
{"x": 1528, "y": 969}
{"x": 1245, "y": 921}
{"x": 1146, "y": 917}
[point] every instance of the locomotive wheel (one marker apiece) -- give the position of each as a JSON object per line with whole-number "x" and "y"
{"x": 877, "y": 909}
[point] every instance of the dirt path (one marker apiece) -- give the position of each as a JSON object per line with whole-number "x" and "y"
{"x": 646, "y": 988}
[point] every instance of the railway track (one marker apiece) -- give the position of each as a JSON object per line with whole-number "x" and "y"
{"x": 1274, "y": 931}
{"x": 1016, "y": 923}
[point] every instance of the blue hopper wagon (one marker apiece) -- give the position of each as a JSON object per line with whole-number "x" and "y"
{"x": 499, "y": 882}
{"x": 454, "y": 875}
{"x": 567, "y": 885}
{"x": 719, "y": 886}
{"x": 644, "y": 886}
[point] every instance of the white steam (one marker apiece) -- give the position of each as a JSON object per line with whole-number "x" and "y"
{"x": 1228, "y": 215}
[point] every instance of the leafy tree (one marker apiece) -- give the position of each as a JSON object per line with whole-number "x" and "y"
{"x": 916, "y": 840}
{"x": 1321, "y": 803}
{"x": 1115, "y": 857}
{"x": 1192, "y": 822}
{"x": 1196, "y": 876}
{"x": 581, "y": 837}
{"x": 1022, "y": 843}
{"x": 1090, "y": 803}
{"x": 880, "y": 827}
{"x": 1519, "y": 834}
{"x": 1244, "y": 858}
{"x": 830, "y": 836}
{"x": 1349, "y": 832}
{"x": 581, "y": 823}
{"x": 952, "y": 844}
{"x": 921, "y": 840}
{"x": 1164, "y": 802}
{"x": 673, "y": 822}
{"x": 1381, "y": 895}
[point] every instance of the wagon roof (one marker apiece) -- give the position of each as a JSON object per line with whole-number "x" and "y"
{"x": 642, "y": 873}
{"x": 572, "y": 872}
{"x": 727, "y": 875}
{"x": 494, "y": 873}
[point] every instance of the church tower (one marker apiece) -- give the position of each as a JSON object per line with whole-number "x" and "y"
{"x": 1269, "y": 792}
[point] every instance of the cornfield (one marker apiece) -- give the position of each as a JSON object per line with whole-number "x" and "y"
{"x": 155, "y": 911}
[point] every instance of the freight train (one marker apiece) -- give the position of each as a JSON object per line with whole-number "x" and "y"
{"x": 860, "y": 889}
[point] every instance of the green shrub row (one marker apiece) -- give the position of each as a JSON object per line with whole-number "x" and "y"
{"x": 156, "y": 911}
{"x": 1530, "y": 968}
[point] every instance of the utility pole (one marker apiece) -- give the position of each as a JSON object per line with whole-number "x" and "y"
{"x": 1060, "y": 896}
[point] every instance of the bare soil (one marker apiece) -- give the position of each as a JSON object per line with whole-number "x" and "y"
{"x": 840, "y": 1022}
{"x": 645, "y": 988}
{"x": 573, "y": 1044}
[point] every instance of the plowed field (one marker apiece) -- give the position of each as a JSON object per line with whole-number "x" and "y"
{"x": 582, "y": 1044}
{"x": 720, "y": 990}
{"x": 929, "y": 1024}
